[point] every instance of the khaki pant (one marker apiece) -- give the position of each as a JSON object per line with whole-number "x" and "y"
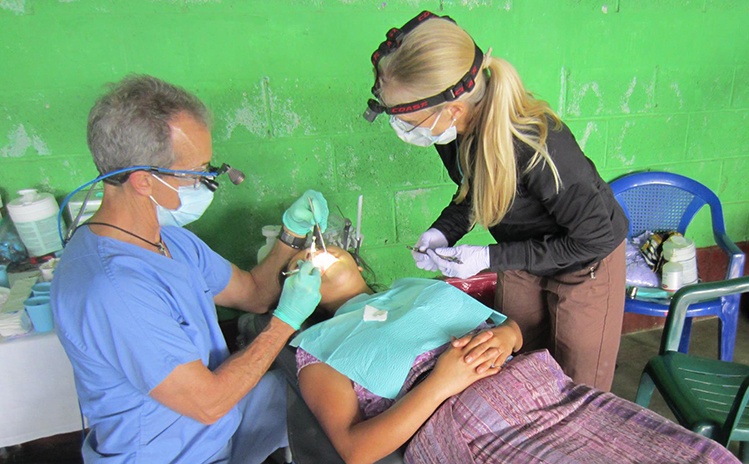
{"x": 576, "y": 316}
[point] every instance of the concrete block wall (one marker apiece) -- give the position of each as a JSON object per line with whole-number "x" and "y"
{"x": 644, "y": 85}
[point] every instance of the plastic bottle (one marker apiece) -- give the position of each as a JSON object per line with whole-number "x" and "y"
{"x": 672, "y": 276}
{"x": 35, "y": 216}
{"x": 682, "y": 250}
{"x": 271, "y": 234}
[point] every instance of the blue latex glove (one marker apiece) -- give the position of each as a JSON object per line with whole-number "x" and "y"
{"x": 300, "y": 295}
{"x": 298, "y": 218}
{"x": 474, "y": 258}
{"x": 430, "y": 239}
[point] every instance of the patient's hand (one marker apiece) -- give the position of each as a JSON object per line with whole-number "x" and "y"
{"x": 502, "y": 340}
{"x": 451, "y": 375}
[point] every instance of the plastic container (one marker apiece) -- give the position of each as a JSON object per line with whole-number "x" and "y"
{"x": 92, "y": 205}
{"x": 672, "y": 276}
{"x": 271, "y": 234}
{"x": 4, "y": 281}
{"x": 48, "y": 269}
{"x": 41, "y": 289}
{"x": 40, "y": 313}
{"x": 34, "y": 215}
{"x": 682, "y": 250}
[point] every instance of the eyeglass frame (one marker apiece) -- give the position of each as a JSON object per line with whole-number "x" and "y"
{"x": 414, "y": 127}
{"x": 197, "y": 177}
{"x": 207, "y": 177}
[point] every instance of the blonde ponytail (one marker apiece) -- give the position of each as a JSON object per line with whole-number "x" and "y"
{"x": 505, "y": 112}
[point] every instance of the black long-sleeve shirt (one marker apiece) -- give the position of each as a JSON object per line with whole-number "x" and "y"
{"x": 545, "y": 232}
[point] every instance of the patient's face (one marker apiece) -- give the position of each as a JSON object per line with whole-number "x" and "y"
{"x": 340, "y": 273}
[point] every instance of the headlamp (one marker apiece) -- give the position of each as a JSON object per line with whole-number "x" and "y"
{"x": 374, "y": 109}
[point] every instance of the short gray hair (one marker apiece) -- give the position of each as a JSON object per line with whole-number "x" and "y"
{"x": 129, "y": 125}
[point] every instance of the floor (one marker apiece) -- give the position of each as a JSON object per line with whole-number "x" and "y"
{"x": 636, "y": 349}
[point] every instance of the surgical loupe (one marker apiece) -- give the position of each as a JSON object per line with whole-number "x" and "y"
{"x": 235, "y": 176}
{"x": 208, "y": 178}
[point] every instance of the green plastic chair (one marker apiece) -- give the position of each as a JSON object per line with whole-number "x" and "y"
{"x": 707, "y": 396}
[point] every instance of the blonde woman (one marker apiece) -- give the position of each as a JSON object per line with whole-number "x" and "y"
{"x": 559, "y": 232}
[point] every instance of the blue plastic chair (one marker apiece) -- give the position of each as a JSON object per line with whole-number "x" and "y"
{"x": 663, "y": 201}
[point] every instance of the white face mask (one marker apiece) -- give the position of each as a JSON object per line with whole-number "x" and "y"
{"x": 422, "y": 136}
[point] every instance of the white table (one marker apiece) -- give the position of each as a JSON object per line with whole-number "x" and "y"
{"x": 37, "y": 391}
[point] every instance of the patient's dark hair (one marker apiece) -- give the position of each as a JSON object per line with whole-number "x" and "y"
{"x": 370, "y": 277}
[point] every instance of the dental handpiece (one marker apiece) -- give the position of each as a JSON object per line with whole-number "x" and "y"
{"x": 452, "y": 259}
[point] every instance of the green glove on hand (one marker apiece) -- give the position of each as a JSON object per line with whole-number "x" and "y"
{"x": 298, "y": 218}
{"x": 300, "y": 295}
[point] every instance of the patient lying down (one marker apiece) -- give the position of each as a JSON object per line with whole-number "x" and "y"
{"x": 422, "y": 366}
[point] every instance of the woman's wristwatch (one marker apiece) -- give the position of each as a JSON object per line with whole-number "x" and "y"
{"x": 292, "y": 240}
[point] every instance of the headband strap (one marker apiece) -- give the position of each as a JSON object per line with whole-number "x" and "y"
{"x": 394, "y": 39}
{"x": 395, "y": 36}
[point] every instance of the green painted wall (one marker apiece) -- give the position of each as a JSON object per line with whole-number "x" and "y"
{"x": 644, "y": 84}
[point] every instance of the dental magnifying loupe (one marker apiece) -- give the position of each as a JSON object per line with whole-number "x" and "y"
{"x": 207, "y": 178}
{"x": 235, "y": 176}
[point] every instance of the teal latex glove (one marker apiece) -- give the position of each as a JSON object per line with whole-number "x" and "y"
{"x": 298, "y": 218}
{"x": 300, "y": 295}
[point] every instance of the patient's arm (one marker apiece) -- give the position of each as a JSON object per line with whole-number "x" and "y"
{"x": 331, "y": 398}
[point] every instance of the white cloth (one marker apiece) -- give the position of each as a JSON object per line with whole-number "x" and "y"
{"x": 37, "y": 390}
{"x": 12, "y": 324}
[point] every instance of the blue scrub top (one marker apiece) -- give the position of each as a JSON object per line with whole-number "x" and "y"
{"x": 127, "y": 317}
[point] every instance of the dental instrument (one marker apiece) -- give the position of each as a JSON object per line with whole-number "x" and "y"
{"x": 346, "y": 234}
{"x": 313, "y": 247}
{"x": 317, "y": 230}
{"x": 452, "y": 259}
{"x": 358, "y": 216}
{"x": 358, "y": 239}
